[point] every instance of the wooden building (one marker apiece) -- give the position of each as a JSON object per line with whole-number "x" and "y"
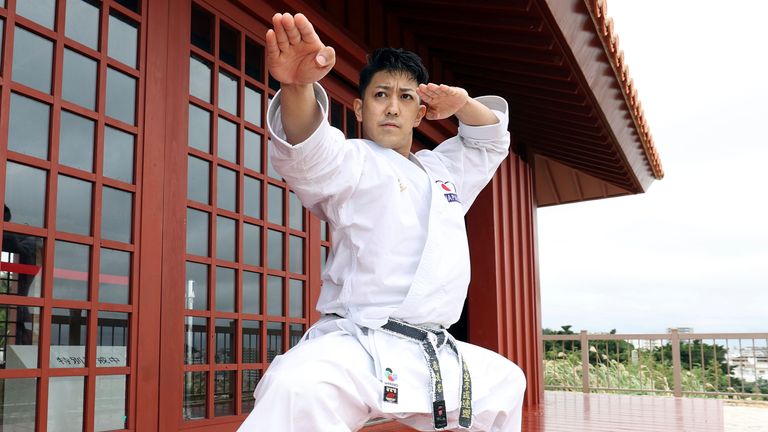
{"x": 153, "y": 263}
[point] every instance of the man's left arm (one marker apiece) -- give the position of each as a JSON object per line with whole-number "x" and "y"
{"x": 483, "y": 141}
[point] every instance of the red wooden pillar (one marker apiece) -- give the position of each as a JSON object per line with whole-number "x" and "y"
{"x": 504, "y": 301}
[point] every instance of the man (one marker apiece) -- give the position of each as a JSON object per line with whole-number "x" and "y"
{"x": 398, "y": 273}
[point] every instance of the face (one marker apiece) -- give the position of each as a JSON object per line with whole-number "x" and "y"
{"x": 389, "y": 111}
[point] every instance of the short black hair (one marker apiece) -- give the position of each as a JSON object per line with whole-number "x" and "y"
{"x": 393, "y": 60}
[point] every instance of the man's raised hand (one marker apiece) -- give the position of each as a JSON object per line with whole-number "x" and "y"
{"x": 295, "y": 54}
{"x": 442, "y": 101}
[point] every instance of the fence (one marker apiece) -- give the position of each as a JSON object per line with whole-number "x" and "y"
{"x": 733, "y": 365}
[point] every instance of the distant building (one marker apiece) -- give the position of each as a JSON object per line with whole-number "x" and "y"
{"x": 750, "y": 364}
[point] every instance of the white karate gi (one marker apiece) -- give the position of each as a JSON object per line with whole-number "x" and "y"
{"x": 399, "y": 251}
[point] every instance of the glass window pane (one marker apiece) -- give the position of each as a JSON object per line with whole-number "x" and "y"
{"x": 76, "y": 138}
{"x": 323, "y": 230}
{"x": 123, "y": 39}
{"x": 252, "y": 149}
{"x": 196, "y": 340}
{"x": 323, "y": 258}
{"x": 251, "y": 292}
{"x": 351, "y": 124}
{"x": 197, "y": 286}
{"x": 79, "y": 80}
{"x": 69, "y": 330}
{"x": 71, "y": 270}
{"x": 23, "y": 273}
{"x": 274, "y": 296}
{"x": 251, "y": 341}
{"x": 114, "y": 276}
{"x": 21, "y": 337}
{"x": 199, "y": 128}
{"x": 132, "y": 5}
{"x": 225, "y": 340}
{"x": 228, "y": 93}
{"x": 19, "y": 403}
{"x": 337, "y": 114}
{"x": 2, "y": 30}
{"x": 42, "y": 12}
{"x": 121, "y": 96}
{"x": 24, "y": 195}
{"x": 250, "y": 381}
{"x": 274, "y": 340}
{"x": 297, "y": 331}
{"x": 296, "y": 302}
{"x": 195, "y": 391}
{"x": 275, "y": 204}
{"x": 253, "y": 105}
{"x": 82, "y": 22}
{"x": 116, "y": 215}
{"x": 252, "y": 197}
{"x": 226, "y": 232}
{"x": 224, "y": 398}
{"x": 202, "y": 29}
{"x": 275, "y": 249}
{"x": 251, "y": 244}
{"x": 110, "y": 410}
{"x": 198, "y": 183}
{"x": 200, "y": 78}
{"x": 225, "y": 289}
{"x": 226, "y": 189}
{"x": 32, "y": 60}
{"x": 197, "y": 232}
{"x": 112, "y": 339}
{"x": 296, "y": 248}
{"x": 65, "y": 403}
{"x": 296, "y": 212}
{"x": 227, "y": 141}
{"x": 118, "y": 154}
{"x": 254, "y": 60}
{"x": 229, "y": 45}
{"x": 28, "y": 126}
{"x": 73, "y": 205}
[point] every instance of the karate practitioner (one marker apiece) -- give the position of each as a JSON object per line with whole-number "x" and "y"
{"x": 398, "y": 273}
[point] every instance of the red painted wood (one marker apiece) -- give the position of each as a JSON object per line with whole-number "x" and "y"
{"x": 503, "y": 294}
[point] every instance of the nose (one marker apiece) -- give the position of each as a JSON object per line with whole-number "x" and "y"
{"x": 393, "y": 107}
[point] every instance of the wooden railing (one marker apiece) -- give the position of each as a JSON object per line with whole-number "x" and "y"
{"x": 731, "y": 365}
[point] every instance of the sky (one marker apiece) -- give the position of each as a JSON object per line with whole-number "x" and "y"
{"x": 693, "y": 250}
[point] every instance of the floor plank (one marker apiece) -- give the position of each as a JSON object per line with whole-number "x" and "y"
{"x": 578, "y": 412}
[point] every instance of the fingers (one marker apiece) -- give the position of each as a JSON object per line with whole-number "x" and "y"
{"x": 280, "y": 34}
{"x": 291, "y": 31}
{"x": 305, "y": 29}
{"x": 272, "y": 50}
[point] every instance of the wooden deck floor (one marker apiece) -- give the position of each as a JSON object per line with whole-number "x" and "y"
{"x": 578, "y": 412}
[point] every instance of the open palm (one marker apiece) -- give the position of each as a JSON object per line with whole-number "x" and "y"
{"x": 442, "y": 101}
{"x": 295, "y": 54}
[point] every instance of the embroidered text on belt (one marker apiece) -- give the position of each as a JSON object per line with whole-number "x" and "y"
{"x": 431, "y": 340}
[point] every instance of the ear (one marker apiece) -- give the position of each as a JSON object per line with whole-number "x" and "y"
{"x": 422, "y": 112}
{"x": 358, "y": 106}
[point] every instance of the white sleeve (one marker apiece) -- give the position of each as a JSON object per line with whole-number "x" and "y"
{"x": 324, "y": 169}
{"x": 473, "y": 156}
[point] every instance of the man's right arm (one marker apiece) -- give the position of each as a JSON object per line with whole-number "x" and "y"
{"x": 297, "y": 58}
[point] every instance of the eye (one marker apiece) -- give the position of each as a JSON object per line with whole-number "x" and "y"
{"x": 407, "y": 96}
{"x": 379, "y": 94}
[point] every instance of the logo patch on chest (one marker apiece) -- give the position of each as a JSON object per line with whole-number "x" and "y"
{"x": 390, "y": 394}
{"x": 449, "y": 191}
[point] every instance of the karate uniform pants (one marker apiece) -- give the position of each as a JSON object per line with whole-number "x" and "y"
{"x": 328, "y": 384}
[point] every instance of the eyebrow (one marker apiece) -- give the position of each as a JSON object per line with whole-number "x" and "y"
{"x": 402, "y": 89}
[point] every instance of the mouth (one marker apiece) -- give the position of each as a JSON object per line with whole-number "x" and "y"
{"x": 390, "y": 125}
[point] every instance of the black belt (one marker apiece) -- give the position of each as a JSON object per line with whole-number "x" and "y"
{"x": 429, "y": 346}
